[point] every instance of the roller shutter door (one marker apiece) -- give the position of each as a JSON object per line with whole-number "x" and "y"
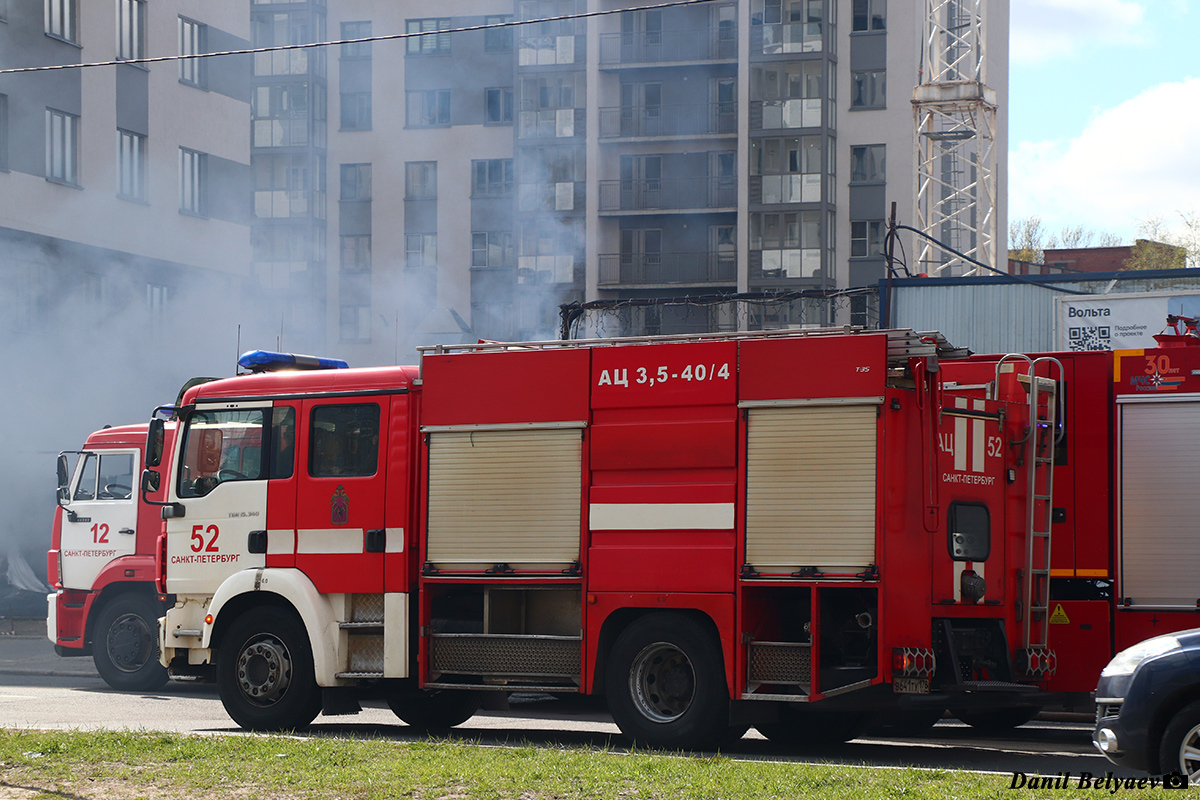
{"x": 1160, "y": 505}
{"x": 504, "y": 497}
{"x": 811, "y": 484}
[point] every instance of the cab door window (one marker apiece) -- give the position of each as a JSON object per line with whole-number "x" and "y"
{"x": 105, "y": 477}
{"x": 221, "y": 446}
{"x": 343, "y": 441}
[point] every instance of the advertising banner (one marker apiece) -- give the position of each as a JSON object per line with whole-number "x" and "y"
{"x": 1118, "y": 321}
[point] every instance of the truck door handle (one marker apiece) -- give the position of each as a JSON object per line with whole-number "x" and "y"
{"x": 376, "y": 540}
{"x": 256, "y": 542}
{"x": 126, "y": 531}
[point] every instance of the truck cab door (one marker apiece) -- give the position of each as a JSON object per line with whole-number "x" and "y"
{"x": 99, "y": 519}
{"x": 340, "y": 530}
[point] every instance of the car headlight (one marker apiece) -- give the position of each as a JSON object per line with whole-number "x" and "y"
{"x": 1126, "y": 661}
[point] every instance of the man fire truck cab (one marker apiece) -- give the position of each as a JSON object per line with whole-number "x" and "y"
{"x": 101, "y": 561}
{"x": 791, "y": 530}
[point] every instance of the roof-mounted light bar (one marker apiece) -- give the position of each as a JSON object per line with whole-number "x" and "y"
{"x": 266, "y": 361}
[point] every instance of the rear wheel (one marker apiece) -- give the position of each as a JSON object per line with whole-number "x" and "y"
{"x": 1179, "y": 750}
{"x": 814, "y": 728}
{"x": 436, "y": 711}
{"x": 666, "y": 683}
{"x": 125, "y": 644}
{"x": 265, "y": 672}
{"x": 996, "y": 720}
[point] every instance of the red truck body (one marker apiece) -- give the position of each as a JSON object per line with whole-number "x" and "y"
{"x": 790, "y": 530}
{"x": 101, "y": 562}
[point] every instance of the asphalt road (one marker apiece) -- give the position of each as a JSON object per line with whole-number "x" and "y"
{"x": 40, "y": 690}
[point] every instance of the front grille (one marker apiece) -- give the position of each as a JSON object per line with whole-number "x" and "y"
{"x": 1106, "y": 710}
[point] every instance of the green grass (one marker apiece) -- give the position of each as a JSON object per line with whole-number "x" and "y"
{"x": 109, "y": 765}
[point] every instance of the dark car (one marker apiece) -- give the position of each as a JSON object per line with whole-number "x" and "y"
{"x": 1148, "y": 706}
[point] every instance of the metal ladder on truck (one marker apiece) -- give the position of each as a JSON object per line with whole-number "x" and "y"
{"x": 1043, "y": 433}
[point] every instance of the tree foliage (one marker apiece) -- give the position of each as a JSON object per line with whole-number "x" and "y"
{"x": 1028, "y": 239}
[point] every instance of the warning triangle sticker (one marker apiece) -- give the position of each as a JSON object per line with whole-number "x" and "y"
{"x": 1059, "y": 617}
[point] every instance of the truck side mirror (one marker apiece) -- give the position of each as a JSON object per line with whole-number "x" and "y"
{"x": 150, "y": 481}
{"x": 64, "y": 481}
{"x": 154, "y": 442}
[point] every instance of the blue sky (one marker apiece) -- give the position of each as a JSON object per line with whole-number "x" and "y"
{"x": 1104, "y": 112}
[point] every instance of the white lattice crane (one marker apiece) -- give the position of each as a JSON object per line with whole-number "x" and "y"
{"x": 955, "y": 115}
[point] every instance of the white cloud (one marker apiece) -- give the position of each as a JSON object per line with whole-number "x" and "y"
{"x": 1134, "y": 160}
{"x": 1041, "y": 31}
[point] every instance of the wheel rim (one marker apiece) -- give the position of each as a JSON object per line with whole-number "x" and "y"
{"x": 264, "y": 670}
{"x": 662, "y": 682}
{"x": 129, "y": 643}
{"x": 1189, "y": 755}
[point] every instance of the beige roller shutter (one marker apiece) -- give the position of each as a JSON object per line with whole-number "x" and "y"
{"x": 811, "y": 476}
{"x": 1160, "y": 506}
{"x": 504, "y": 497}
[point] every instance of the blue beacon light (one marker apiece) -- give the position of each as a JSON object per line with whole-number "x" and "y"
{"x": 266, "y": 361}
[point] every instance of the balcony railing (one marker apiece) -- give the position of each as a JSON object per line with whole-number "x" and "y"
{"x": 787, "y": 37}
{"x": 618, "y": 269}
{"x": 670, "y": 120}
{"x": 705, "y": 44}
{"x": 668, "y": 193}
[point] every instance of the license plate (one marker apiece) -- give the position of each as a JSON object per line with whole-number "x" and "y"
{"x": 911, "y": 685}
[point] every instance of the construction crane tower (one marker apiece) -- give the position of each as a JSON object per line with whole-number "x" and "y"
{"x": 955, "y": 117}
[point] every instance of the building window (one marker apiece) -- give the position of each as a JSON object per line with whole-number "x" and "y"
{"x": 192, "y": 37}
{"x": 869, "y": 15}
{"x": 420, "y": 250}
{"x": 866, "y": 238}
{"x": 60, "y": 19}
{"x": 435, "y": 44}
{"x": 356, "y": 253}
{"x": 354, "y": 323}
{"x": 157, "y": 299}
{"x": 492, "y": 177}
{"x": 131, "y": 29}
{"x": 356, "y": 111}
{"x": 131, "y": 164}
{"x": 868, "y": 89}
{"x": 62, "y": 147}
{"x": 492, "y": 249}
{"x": 498, "y": 105}
{"x": 867, "y": 164}
{"x": 356, "y": 182}
{"x": 191, "y": 181}
{"x": 420, "y": 180}
{"x": 281, "y": 115}
{"x": 498, "y": 40}
{"x": 791, "y": 94}
{"x": 430, "y": 108}
{"x": 790, "y": 169}
{"x": 790, "y": 243}
{"x": 356, "y": 30}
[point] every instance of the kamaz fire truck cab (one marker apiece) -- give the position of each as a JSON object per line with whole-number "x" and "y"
{"x": 795, "y": 530}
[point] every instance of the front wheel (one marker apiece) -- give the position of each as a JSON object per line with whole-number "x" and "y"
{"x": 1179, "y": 750}
{"x": 125, "y": 644}
{"x": 265, "y": 672}
{"x": 666, "y": 685}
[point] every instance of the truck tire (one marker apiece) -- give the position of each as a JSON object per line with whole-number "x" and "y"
{"x": 665, "y": 683}
{"x": 435, "y": 711}
{"x": 814, "y": 728}
{"x": 265, "y": 673}
{"x": 1179, "y": 749}
{"x": 125, "y": 644}
{"x": 996, "y": 720}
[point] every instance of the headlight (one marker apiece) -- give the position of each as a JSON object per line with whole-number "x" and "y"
{"x": 1126, "y": 661}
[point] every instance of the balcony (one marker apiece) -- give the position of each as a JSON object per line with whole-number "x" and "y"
{"x": 664, "y": 47}
{"x": 668, "y": 194}
{"x": 787, "y": 37}
{"x": 621, "y": 269}
{"x": 695, "y": 119}
{"x": 558, "y": 196}
{"x": 551, "y": 123}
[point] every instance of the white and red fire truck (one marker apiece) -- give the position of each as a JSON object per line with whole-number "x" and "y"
{"x": 101, "y": 561}
{"x": 791, "y": 530}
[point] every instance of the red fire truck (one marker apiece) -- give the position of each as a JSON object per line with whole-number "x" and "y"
{"x": 1125, "y": 505}
{"x": 101, "y": 561}
{"x": 791, "y": 530}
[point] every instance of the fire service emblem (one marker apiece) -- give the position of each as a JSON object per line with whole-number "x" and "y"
{"x": 339, "y": 507}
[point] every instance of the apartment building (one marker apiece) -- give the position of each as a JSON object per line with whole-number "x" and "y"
{"x": 121, "y": 186}
{"x": 486, "y": 176}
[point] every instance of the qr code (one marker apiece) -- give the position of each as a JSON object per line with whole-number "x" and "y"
{"x": 1097, "y": 338}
